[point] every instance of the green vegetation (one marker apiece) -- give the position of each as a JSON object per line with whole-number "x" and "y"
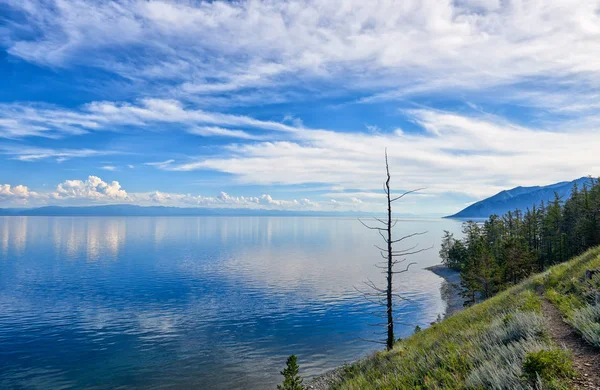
{"x": 504, "y": 250}
{"x": 497, "y": 344}
{"x": 291, "y": 378}
{"x": 577, "y": 297}
{"x": 587, "y": 321}
{"x": 547, "y": 365}
{"x": 482, "y": 347}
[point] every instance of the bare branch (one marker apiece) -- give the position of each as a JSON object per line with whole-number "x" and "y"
{"x": 412, "y": 253}
{"x": 381, "y": 249}
{"x": 408, "y": 236}
{"x": 404, "y": 270}
{"x": 370, "y": 227}
{"x": 380, "y": 220}
{"x": 406, "y": 193}
{"x": 406, "y": 249}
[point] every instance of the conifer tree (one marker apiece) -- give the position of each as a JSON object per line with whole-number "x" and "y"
{"x": 292, "y": 380}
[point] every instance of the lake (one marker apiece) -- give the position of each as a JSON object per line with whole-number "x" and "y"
{"x": 204, "y": 302}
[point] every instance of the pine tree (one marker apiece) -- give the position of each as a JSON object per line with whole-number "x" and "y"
{"x": 291, "y": 381}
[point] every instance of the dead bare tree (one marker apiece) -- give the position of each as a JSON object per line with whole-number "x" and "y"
{"x": 385, "y": 296}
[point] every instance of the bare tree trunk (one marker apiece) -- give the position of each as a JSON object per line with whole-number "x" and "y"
{"x": 385, "y": 296}
{"x": 390, "y": 263}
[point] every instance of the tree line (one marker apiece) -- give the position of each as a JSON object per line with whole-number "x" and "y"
{"x": 503, "y": 250}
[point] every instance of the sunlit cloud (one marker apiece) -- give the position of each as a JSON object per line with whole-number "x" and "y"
{"x": 96, "y": 191}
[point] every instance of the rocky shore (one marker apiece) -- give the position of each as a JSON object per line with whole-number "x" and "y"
{"x": 325, "y": 381}
{"x": 450, "y": 288}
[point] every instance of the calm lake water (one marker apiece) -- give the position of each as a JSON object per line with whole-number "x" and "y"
{"x": 204, "y": 302}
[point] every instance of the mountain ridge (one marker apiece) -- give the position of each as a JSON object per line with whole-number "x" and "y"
{"x": 519, "y": 198}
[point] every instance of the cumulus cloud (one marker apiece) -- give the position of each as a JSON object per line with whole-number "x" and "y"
{"x": 93, "y": 189}
{"x": 18, "y": 194}
{"x": 225, "y": 200}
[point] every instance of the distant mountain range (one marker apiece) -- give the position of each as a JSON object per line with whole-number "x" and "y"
{"x": 155, "y": 211}
{"x": 519, "y": 198}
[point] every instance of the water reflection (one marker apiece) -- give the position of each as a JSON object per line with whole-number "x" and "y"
{"x": 181, "y": 302}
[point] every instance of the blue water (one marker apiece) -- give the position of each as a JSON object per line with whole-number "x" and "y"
{"x": 179, "y": 302}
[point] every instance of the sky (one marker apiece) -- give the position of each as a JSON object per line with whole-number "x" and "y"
{"x": 291, "y": 104}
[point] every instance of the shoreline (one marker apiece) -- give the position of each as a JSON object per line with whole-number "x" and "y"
{"x": 450, "y": 291}
{"x": 450, "y": 288}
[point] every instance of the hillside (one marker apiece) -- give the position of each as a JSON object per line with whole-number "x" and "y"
{"x": 513, "y": 340}
{"x": 519, "y": 198}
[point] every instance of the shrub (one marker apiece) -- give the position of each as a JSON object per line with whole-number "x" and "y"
{"x": 291, "y": 381}
{"x": 548, "y": 365}
{"x": 587, "y": 321}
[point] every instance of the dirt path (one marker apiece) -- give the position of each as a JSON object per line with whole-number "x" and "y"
{"x": 586, "y": 359}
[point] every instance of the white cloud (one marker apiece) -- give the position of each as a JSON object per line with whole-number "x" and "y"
{"x": 92, "y": 189}
{"x": 208, "y": 131}
{"x": 478, "y": 156}
{"x": 54, "y": 122}
{"x": 25, "y": 120}
{"x": 18, "y": 194}
{"x": 27, "y": 153}
{"x": 225, "y": 200}
{"x": 226, "y": 47}
{"x": 160, "y": 164}
{"x": 109, "y": 168}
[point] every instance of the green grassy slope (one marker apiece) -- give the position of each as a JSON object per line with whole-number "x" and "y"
{"x": 500, "y": 343}
{"x": 577, "y": 298}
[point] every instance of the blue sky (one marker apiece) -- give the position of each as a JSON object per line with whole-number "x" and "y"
{"x": 290, "y": 105}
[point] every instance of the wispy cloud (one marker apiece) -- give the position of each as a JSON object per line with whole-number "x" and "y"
{"x": 416, "y": 46}
{"x": 28, "y": 153}
{"x": 475, "y": 155}
{"x": 54, "y": 122}
{"x": 208, "y": 131}
{"x": 160, "y": 164}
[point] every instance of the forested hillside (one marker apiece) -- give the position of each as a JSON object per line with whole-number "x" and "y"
{"x": 505, "y": 249}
